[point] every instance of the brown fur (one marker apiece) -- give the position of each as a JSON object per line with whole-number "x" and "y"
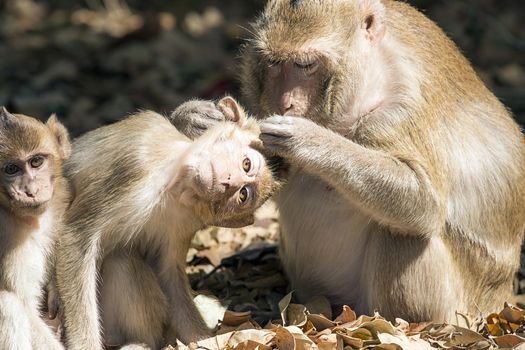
{"x": 421, "y": 190}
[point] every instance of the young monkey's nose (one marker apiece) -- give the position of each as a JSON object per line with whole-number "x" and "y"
{"x": 232, "y": 181}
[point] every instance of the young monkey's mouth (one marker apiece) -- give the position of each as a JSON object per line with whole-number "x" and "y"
{"x": 30, "y": 207}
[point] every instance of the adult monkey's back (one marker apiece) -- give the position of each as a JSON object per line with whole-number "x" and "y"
{"x": 408, "y": 194}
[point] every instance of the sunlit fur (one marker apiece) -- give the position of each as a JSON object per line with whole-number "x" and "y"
{"x": 28, "y": 235}
{"x": 411, "y": 200}
{"x": 138, "y": 202}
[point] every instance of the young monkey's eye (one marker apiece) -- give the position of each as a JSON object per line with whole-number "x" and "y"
{"x": 11, "y": 169}
{"x": 243, "y": 194}
{"x": 36, "y": 162}
{"x": 246, "y": 164}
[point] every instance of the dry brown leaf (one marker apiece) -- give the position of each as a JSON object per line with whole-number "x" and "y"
{"x": 512, "y": 314}
{"x": 295, "y": 315}
{"x": 232, "y": 339}
{"x": 329, "y": 342}
{"x": 404, "y": 342}
{"x": 253, "y": 345}
{"x": 346, "y": 316}
{"x": 232, "y": 318}
{"x": 387, "y": 347}
{"x": 302, "y": 342}
{"x": 246, "y": 325}
{"x": 378, "y": 326}
{"x": 355, "y": 343}
{"x": 320, "y": 322}
{"x": 509, "y": 341}
{"x": 284, "y": 339}
{"x": 283, "y": 306}
{"x": 309, "y": 328}
{"x": 453, "y": 336}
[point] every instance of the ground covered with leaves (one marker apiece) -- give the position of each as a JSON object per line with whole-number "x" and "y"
{"x": 247, "y": 299}
{"x": 302, "y": 327}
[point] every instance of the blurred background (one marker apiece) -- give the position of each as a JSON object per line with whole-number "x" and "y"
{"x": 94, "y": 61}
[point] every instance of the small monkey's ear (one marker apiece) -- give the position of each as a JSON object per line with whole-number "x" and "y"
{"x": 372, "y": 14}
{"x": 231, "y": 110}
{"x": 6, "y": 118}
{"x": 61, "y": 135}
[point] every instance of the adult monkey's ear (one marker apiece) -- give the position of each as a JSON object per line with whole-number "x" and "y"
{"x": 372, "y": 15}
{"x": 232, "y": 110}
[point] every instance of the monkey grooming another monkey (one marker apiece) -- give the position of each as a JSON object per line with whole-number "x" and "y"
{"x": 142, "y": 190}
{"x": 33, "y": 197}
{"x": 406, "y": 191}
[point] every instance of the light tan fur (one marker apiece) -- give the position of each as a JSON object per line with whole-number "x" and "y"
{"x": 408, "y": 191}
{"x": 407, "y": 183}
{"x": 142, "y": 190}
{"x": 32, "y": 202}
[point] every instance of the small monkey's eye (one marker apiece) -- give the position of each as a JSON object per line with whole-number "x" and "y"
{"x": 243, "y": 194}
{"x": 11, "y": 169}
{"x": 246, "y": 164}
{"x": 36, "y": 162}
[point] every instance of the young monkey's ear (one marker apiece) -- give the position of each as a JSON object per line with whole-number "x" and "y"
{"x": 232, "y": 110}
{"x": 6, "y": 118}
{"x": 61, "y": 135}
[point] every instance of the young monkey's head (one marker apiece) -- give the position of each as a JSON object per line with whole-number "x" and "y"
{"x": 31, "y": 155}
{"x": 229, "y": 177}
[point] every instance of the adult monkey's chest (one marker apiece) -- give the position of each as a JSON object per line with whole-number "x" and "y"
{"x": 311, "y": 210}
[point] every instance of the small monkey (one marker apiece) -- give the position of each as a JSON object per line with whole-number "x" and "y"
{"x": 33, "y": 198}
{"x": 142, "y": 190}
{"x": 407, "y": 183}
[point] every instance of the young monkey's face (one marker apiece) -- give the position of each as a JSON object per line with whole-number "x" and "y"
{"x": 27, "y": 182}
{"x": 228, "y": 176}
{"x": 28, "y": 156}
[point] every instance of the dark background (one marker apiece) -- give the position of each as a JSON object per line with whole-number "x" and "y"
{"x": 94, "y": 61}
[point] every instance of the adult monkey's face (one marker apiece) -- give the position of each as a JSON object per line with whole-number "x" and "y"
{"x": 309, "y": 58}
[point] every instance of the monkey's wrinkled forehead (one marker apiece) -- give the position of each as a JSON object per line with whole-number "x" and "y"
{"x": 288, "y": 26}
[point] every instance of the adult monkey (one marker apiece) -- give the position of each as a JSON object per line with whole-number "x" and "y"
{"x": 409, "y": 187}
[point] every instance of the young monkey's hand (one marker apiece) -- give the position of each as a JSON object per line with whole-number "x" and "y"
{"x": 194, "y": 117}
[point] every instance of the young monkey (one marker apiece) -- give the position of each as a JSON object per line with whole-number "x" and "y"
{"x": 142, "y": 190}
{"x": 33, "y": 197}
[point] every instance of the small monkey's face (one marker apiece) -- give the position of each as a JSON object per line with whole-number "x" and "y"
{"x": 28, "y": 182}
{"x": 229, "y": 179}
{"x": 30, "y": 160}
{"x": 226, "y": 175}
